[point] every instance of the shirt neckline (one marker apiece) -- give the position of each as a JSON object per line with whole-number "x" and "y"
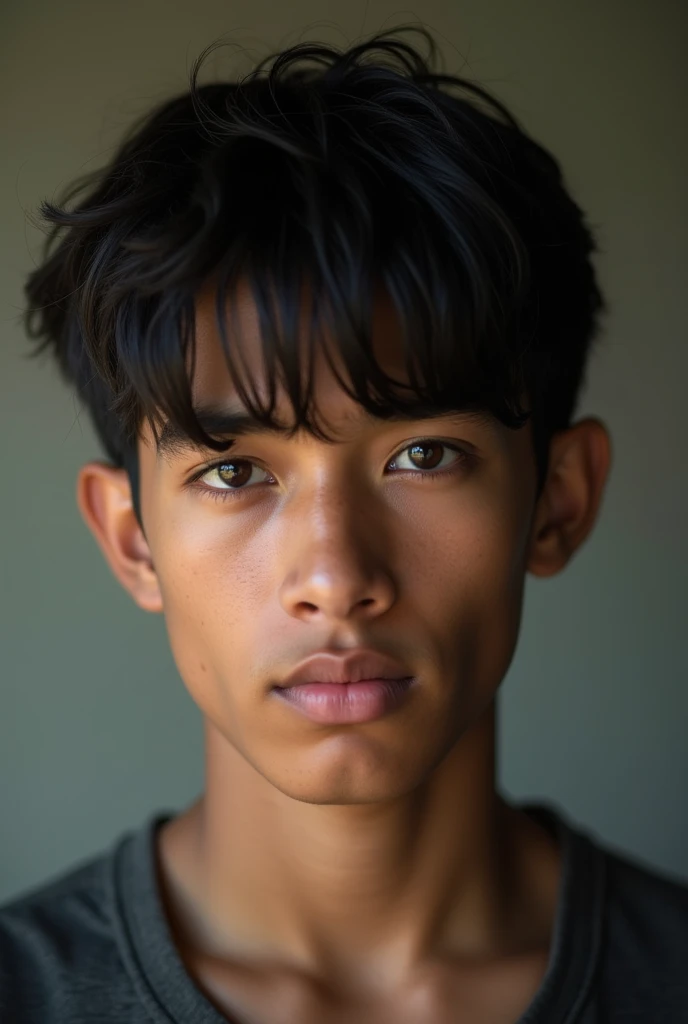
{"x": 170, "y": 995}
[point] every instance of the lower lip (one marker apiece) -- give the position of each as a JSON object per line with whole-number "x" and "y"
{"x": 339, "y": 703}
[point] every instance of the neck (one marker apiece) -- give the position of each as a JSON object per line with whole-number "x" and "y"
{"x": 342, "y": 889}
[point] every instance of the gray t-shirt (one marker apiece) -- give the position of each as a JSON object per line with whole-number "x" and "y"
{"x": 93, "y": 946}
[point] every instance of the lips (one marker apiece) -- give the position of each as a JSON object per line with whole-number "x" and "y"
{"x": 335, "y": 704}
{"x": 355, "y": 667}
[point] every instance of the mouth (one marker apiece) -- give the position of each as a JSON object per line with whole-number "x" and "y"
{"x": 342, "y": 703}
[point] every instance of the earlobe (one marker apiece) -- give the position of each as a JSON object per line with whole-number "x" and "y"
{"x": 103, "y": 496}
{"x": 568, "y": 507}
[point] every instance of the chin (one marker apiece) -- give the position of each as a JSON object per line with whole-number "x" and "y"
{"x": 349, "y": 770}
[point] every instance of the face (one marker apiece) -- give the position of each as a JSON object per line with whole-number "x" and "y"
{"x": 295, "y": 545}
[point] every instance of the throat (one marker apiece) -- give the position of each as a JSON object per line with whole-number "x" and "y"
{"x": 341, "y": 923}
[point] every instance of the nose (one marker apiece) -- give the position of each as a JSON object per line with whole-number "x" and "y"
{"x": 336, "y": 564}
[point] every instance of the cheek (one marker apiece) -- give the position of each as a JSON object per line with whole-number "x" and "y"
{"x": 211, "y": 599}
{"x": 472, "y": 559}
{"x": 471, "y": 596}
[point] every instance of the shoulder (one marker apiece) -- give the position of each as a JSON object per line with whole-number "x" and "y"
{"x": 645, "y": 940}
{"x": 59, "y": 958}
{"x": 645, "y": 904}
{"x": 631, "y": 920}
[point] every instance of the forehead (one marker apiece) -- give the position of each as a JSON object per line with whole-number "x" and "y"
{"x": 212, "y": 382}
{"x": 220, "y": 408}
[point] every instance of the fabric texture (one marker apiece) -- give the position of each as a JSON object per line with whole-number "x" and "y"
{"x": 93, "y": 945}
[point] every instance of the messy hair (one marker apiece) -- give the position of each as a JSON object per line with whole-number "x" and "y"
{"x": 345, "y": 171}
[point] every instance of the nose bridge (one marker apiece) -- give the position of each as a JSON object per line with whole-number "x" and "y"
{"x": 333, "y": 522}
{"x": 333, "y": 551}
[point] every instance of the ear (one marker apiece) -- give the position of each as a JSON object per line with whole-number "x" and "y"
{"x": 103, "y": 495}
{"x": 580, "y": 458}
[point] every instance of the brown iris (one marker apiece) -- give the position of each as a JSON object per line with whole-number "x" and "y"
{"x": 418, "y": 450}
{"x": 235, "y": 473}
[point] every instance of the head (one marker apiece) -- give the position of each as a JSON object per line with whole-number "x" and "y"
{"x": 331, "y": 324}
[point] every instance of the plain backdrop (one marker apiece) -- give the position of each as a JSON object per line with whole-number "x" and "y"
{"x": 96, "y": 728}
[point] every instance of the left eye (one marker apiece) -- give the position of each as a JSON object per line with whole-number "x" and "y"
{"x": 427, "y": 454}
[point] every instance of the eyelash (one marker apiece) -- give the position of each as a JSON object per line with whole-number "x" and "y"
{"x": 466, "y": 460}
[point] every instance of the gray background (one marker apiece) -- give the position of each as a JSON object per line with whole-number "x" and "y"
{"x": 96, "y": 728}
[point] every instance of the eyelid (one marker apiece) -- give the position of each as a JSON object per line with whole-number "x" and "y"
{"x": 230, "y": 455}
{"x": 464, "y": 449}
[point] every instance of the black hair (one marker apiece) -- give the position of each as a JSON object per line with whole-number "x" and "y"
{"x": 346, "y": 170}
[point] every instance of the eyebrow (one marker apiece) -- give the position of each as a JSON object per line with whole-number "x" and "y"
{"x": 175, "y": 443}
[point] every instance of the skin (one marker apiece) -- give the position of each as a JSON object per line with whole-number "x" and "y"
{"x": 368, "y": 871}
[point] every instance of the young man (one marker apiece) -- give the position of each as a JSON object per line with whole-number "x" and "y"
{"x": 331, "y": 325}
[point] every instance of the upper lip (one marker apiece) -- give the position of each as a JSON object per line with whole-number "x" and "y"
{"x": 326, "y": 667}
